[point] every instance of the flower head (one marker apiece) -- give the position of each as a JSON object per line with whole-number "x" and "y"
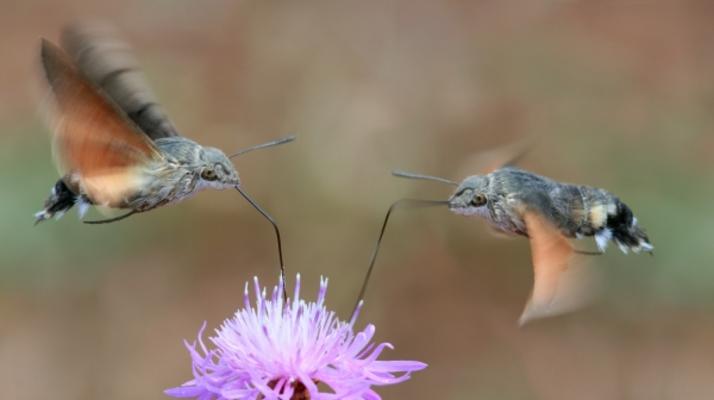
{"x": 283, "y": 349}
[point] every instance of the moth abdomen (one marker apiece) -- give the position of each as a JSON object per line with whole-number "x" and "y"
{"x": 597, "y": 206}
{"x": 608, "y": 218}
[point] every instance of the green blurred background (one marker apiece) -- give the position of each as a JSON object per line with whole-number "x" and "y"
{"x": 617, "y": 94}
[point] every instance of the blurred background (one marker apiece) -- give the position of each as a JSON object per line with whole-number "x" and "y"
{"x": 613, "y": 94}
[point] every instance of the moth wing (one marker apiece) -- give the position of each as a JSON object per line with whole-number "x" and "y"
{"x": 93, "y": 142}
{"x": 488, "y": 161}
{"x": 561, "y": 282}
{"x": 109, "y": 63}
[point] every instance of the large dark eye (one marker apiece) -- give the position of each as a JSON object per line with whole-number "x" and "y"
{"x": 209, "y": 174}
{"x": 478, "y": 200}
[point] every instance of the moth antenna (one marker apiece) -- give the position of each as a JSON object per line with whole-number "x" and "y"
{"x": 411, "y": 175}
{"x": 411, "y": 202}
{"x": 272, "y": 143}
{"x": 277, "y": 235}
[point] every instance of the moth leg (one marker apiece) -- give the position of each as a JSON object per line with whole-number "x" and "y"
{"x": 110, "y": 220}
{"x": 589, "y": 253}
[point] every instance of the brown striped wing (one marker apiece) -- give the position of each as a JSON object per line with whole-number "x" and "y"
{"x": 561, "y": 281}
{"x": 110, "y": 65}
{"x": 93, "y": 141}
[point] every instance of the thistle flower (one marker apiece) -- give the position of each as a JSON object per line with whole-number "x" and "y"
{"x": 283, "y": 350}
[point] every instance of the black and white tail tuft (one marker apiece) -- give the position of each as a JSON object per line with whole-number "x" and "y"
{"x": 61, "y": 199}
{"x": 626, "y": 232}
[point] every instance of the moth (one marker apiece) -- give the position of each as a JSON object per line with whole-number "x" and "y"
{"x": 548, "y": 213}
{"x": 112, "y": 142}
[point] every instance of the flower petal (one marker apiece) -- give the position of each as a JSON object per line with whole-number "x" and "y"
{"x": 269, "y": 346}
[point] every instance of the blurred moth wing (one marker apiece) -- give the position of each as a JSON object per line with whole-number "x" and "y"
{"x": 561, "y": 281}
{"x": 109, "y": 64}
{"x": 488, "y": 161}
{"x": 98, "y": 148}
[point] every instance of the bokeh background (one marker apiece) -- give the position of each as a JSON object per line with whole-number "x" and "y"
{"x": 617, "y": 94}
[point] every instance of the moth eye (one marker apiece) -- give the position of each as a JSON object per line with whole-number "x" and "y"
{"x": 209, "y": 175}
{"x": 478, "y": 200}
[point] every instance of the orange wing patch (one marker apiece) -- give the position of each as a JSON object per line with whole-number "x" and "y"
{"x": 560, "y": 282}
{"x": 92, "y": 140}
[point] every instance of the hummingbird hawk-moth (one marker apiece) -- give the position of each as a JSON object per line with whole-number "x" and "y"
{"x": 549, "y": 214}
{"x": 112, "y": 142}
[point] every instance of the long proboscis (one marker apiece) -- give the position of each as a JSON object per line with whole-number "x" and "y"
{"x": 401, "y": 202}
{"x": 272, "y": 143}
{"x": 277, "y": 235}
{"x": 411, "y": 175}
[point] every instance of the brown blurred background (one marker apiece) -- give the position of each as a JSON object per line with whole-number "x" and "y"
{"x": 616, "y": 94}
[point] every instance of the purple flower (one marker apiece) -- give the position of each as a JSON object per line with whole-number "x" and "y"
{"x": 283, "y": 350}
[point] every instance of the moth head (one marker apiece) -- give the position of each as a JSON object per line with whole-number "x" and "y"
{"x": 217, "y": 170}
{"x": 470, "y": 197}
